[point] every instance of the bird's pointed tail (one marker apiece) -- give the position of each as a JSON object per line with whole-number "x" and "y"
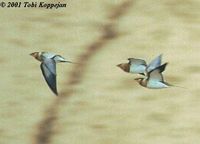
{"x": 175, "y": 85}
{"x": 71, "y": 62}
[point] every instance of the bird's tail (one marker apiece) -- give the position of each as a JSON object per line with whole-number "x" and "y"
{"x": 179, "y": 86}
{"x": 175, "y": 85}
{"x": 70, "y": 62}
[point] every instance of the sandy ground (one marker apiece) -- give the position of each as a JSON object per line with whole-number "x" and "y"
{"x": 99, "y": 103}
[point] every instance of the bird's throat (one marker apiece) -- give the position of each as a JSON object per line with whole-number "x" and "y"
{"x": 143, "y": 82}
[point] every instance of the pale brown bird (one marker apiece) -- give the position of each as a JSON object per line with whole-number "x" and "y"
{"x": 48, "y": 67}
{"x": 139, "y": 66}
{"x": 154, "y": 79}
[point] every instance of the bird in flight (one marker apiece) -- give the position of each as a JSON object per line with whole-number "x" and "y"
{"x": 139, "y": 66}
{"x": 48, "y": 66}
{"x": 154, "y": 79}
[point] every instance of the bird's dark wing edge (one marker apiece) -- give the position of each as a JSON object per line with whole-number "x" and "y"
{"x": 160, "y": 68}
{"x": 49, "y": 77}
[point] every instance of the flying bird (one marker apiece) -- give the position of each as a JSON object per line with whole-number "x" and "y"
{"x": 139, "y": 66}
{"x": 48, "y": 66}
{"x": 154, "y": 79}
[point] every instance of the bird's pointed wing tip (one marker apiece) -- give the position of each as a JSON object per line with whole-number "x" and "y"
{"x": 55, "y": 91}
{"x": 166, "y": 63}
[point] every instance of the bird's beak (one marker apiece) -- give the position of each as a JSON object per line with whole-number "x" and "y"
{"x": 31, "y": 54}
{"x": 118, "y": 65}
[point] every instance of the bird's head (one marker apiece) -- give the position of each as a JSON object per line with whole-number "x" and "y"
{"x": 124, "y": 66}
{"x": 36, "y": 55}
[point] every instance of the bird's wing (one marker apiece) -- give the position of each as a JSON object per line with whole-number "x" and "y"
{"x": 154, "y": 63}
{"x": 156, "y": 74}
{"x": 133, "y": 61}
{"x": 48, "y": 67}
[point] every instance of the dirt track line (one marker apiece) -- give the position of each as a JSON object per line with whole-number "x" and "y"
{"x": 45, "y": 128}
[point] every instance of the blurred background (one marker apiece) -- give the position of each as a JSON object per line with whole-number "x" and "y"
{"x": 98, "y": 102}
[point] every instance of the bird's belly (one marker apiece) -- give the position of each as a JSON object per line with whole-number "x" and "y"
{"x": 156, "y": 85}
{"x": 137, "y": 69}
